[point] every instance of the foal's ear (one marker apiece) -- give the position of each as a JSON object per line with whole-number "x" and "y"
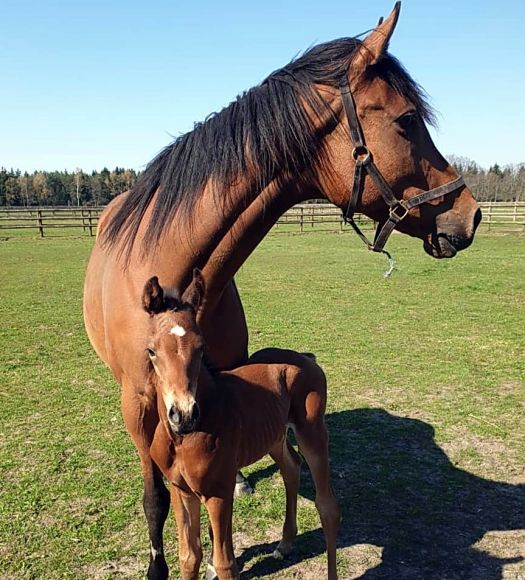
{"x": 153, "y": 296}
{"x": 195, "y": 291}
{"x": 376, "y": 43}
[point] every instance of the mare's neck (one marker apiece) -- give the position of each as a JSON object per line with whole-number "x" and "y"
{"x": 246, "y": 230}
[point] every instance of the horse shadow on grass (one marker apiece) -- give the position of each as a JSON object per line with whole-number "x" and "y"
{"x": 398, "y": 490}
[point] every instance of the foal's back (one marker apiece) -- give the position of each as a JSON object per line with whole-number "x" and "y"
{"x": 275, "y": 389}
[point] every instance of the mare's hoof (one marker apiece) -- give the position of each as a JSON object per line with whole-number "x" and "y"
{"x": 282, "y": 550}
{"x": 210, "y": 573}
{"x": 242, "y": 487}
{"x": 158, "y": 570}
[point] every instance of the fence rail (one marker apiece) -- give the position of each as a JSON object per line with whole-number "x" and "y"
{"x": 504, "y": 217}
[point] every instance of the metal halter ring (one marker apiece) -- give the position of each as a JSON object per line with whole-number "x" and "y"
{"x": 361, "y": 154}
{"x": 392, "y": 211}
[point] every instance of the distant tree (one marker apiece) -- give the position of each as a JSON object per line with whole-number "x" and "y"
{"x": 4, "y": 175}
{"x": 496, "y": 170}
{"x": 40, "y": 188}
{"x": 58, "y": 192}
{"x": 78, "y": 181}
{"x": 13, "y": 193}
{"x": 26, "y": 189}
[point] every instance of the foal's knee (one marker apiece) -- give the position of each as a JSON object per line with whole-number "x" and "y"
{"x": 190, "y": 564}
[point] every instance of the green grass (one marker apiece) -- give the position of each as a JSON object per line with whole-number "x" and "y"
{"x": 426, "y": 391}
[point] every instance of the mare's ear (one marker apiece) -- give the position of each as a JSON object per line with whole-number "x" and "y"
{"x": 195, "y": 291}
{"x": 153, "y": 296}
{"x": 376, "y": 43}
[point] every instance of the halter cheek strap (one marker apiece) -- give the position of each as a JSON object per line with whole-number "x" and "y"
{"x": 364, "y": 164}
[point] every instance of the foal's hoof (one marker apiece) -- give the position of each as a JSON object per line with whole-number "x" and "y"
{"x": 242, "y": 487}
{"x": 210, "y": 573}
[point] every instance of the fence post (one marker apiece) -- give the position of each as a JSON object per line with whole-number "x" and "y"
{"x": 40, "y": 222}
{"x": 90, "y": 218}
{"x": 302, "y": 218}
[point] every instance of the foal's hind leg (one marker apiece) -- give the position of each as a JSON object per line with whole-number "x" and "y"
{"x": 313, "y": 445}
{"x": 289, "y": 464}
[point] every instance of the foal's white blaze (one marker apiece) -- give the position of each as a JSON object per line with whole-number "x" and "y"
{"x": 169, "y": 401}
{"x": 183, "y": 404}
{"x": 178, "y": 330}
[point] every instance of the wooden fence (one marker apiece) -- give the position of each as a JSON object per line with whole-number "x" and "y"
{"x": 504, "y": 217}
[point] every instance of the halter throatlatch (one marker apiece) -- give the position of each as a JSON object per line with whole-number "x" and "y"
{"x": 364, "y": 164}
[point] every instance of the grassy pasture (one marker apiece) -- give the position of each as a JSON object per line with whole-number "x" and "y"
{"x": 426, "y": 414}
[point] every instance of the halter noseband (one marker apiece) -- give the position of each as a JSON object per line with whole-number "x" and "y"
{"x": 397, "y": 209}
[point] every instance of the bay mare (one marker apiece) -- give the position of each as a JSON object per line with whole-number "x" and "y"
{"x": 213, "y": 423}
{"x": 210, "y": 197}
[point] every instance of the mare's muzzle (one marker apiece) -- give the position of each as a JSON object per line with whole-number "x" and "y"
{"x": 183, "y": 422}
{"x": 447, "y": 242}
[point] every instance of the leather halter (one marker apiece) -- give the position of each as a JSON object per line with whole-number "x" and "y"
{"x": 397, "y": 209}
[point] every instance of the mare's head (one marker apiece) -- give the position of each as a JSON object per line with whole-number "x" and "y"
{"x": 294, "y": 129}
{"x": 392, "y": 112}
{"x": 175, "y": 348}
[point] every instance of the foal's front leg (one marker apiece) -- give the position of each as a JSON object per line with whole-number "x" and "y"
{"x": 187, "y": 512}
{"x": 220, "y": 513}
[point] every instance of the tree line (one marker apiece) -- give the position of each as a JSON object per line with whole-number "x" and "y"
{"x": 98, "y": 188}
{"x": 497, "y": 183}
{"x": 63, "y": 187}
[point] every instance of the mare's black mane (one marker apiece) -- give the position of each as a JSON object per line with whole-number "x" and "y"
{"x": 264, "y": 133}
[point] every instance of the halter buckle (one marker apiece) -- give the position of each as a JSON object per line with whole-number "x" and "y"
{"x": 361, "y": 154}
{"x": 393, "y": 213}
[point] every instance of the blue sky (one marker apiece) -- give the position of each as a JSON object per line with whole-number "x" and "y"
{"x": 91, "y": 84}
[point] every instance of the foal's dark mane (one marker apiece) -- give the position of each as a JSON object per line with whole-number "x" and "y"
{"x": 265, "y": 133}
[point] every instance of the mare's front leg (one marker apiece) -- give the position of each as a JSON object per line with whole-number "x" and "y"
{"x": 187, "y": 512}
{"x": 141, "y": 420}
{"x": 220, "y": 513}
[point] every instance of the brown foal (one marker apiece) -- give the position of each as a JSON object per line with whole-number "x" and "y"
{"x": 214, "y": 423}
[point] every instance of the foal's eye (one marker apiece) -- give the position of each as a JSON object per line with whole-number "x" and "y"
{"x": 151, "y": 353}
{"x": 408, "y": 122}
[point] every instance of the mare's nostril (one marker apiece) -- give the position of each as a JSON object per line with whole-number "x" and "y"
{"x": 477, "y": 218}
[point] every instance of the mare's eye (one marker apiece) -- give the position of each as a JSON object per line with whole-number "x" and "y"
{"x": 408, "y": 122}
{"x": 151, "y": 353}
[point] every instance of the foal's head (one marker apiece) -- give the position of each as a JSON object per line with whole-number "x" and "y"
{"x": 175, "y": 348}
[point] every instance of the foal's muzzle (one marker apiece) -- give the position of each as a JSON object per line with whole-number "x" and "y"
{"x": 183, "y": 422}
